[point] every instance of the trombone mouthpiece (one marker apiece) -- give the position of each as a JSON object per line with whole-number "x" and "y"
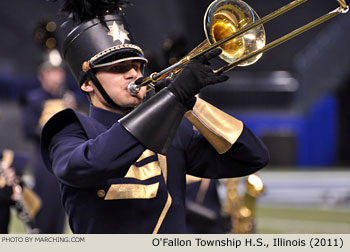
{"x": 133, "y": 88}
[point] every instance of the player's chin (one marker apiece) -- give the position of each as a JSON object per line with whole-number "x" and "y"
{"x": 135, "y": 102}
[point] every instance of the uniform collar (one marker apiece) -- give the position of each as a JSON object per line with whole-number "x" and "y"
{"x": 107, "y": 118}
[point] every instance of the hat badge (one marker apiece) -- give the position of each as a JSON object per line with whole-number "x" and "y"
{"x": 118, "y": 32}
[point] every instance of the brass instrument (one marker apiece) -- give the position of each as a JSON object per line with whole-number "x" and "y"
{"x": 234, "y": 26}
{"x": 242, "y": 209}
{"x": 27, "y": 202}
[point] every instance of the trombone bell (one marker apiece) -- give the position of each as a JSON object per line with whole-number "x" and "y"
{"x": 225, "y": 17}
{"x": 235, "y": 27}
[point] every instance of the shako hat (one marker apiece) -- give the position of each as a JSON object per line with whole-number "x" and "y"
{"x": 100, "y": 36}
{"x": 46, "y": 38}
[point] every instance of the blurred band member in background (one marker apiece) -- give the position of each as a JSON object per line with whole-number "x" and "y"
{"x": 14, "y": 193}
{"x": 40, "y": 104}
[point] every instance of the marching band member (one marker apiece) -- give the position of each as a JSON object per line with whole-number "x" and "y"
{"x": 122, "y": 169}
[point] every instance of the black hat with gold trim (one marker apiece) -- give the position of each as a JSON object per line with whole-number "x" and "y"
{"x": 100, "y": 37}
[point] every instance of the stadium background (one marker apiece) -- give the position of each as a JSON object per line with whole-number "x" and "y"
{"x": 296, "y": 98}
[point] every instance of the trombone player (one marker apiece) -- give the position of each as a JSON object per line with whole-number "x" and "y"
{"x": 122, "y": 168}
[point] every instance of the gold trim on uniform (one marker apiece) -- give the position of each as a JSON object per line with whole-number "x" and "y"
{"x": 203, "y": 188}
{"x": 145, "y": 154}
{"x": 219, "y": 128}
{"x": 147, "y": 171}
{"x": 192, "y": 179}
{"x": 114, "y": 48}
{"x": 117, "y": 61}
{"x": 163, "y": 166}
{"x": 51, "y": 107}
{"x": 163, "y": 214}
{"x": 137, "y": 191}
{"x": 132, "y": 191}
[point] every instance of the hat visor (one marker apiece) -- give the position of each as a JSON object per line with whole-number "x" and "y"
{"x": 118, "y": 56}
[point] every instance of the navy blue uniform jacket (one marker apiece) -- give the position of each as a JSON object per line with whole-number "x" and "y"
{"x": 111, "y": 183}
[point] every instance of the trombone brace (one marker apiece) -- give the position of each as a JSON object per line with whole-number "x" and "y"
{"x": 220, "y": 129}
{"x": 155, "y": 122}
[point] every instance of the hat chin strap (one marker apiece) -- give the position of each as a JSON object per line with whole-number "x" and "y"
{"x": 104, "y": 94}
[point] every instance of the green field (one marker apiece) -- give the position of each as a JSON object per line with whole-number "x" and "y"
{"x": 302, "y": 220}
{"x": 17, "y": 226}
{"x": 274, "y": 220}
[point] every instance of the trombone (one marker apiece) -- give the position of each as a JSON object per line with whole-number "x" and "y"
{"x": 235, "y": 27}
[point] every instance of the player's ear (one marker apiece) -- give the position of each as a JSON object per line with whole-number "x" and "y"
{"x": 87, "y": 86}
